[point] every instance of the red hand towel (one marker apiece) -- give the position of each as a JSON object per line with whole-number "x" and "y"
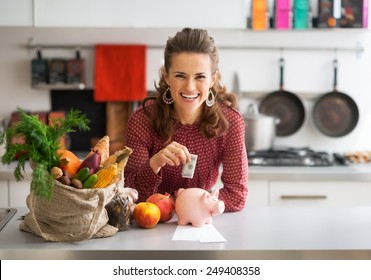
{"x": 120, "y": 73}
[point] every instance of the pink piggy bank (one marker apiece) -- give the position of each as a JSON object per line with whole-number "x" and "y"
{"x": 197, "y": 206}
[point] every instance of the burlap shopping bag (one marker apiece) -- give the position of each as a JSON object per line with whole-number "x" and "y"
{"x": 71, "y": 215}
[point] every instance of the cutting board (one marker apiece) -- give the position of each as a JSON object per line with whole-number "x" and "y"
{"x": 39, "y": 70}
{"x": 76, "y": 70}
{"x": 57, "y": 71}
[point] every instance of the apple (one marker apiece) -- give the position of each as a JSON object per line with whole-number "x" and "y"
{"x": 146, "y": 214}
{"x": 166, "y": 205}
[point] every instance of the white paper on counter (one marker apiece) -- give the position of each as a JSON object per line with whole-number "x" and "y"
{"x": 206, "y": 234}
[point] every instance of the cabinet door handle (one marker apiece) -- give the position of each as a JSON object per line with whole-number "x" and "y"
{"x": 288, "y": 197}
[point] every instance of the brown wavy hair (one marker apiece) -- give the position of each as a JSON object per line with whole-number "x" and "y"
{"x": 213, "y": 122}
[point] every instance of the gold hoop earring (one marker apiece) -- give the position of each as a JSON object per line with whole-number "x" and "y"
{"x": 167, "y": 100}
{"x": 210, "y": 99}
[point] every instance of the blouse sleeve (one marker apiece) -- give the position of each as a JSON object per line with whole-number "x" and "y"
{"x": 138, "y": 173}
{"x": 235, "y": 167}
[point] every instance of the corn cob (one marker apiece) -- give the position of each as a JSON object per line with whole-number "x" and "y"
{"x": 105, "y": 176}
{"x": 118, "y": 156}
{"x": 120, "y": 168}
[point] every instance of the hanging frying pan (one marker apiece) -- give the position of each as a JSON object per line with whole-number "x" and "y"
{"x": 285, "y": 106}
{"x": 335, "y": 113}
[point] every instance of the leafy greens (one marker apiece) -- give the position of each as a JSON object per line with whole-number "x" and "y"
{"x": 40, "y": 146}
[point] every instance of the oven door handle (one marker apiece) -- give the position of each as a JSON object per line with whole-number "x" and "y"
{"x": 297, "y": 197}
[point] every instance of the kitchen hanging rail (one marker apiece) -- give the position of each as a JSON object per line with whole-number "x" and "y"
{"x": 358, "y": 49}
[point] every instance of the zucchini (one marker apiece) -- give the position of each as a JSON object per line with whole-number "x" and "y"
{"x": 83, "y": 174}
{"x": 90, "y": 181}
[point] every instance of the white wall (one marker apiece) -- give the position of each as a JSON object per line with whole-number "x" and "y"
{"x": 308, "y": 73}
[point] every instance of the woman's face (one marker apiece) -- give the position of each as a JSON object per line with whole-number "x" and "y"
{"x": 190, "y": 80}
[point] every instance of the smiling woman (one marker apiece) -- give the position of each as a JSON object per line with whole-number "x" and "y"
{"x": 191, "y": 114}
{"x": 189, "y": 81}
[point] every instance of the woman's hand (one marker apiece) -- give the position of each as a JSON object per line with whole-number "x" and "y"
{"x": 173, "y": 154}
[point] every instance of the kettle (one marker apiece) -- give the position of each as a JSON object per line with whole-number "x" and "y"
{"x": 260, "y": 129}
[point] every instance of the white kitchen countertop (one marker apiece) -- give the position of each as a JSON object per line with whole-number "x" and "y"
{"x": 353, "y": 172}
{"x": 254, "y": 233}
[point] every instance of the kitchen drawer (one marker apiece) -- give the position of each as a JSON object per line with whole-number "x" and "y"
{"x": 258, "y": 193}
{"x": 320, "y": 193}
{"x": 4, "y": 193}
{"x": 18, "y": 192}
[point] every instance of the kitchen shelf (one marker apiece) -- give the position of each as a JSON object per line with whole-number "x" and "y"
{"x": 80, "y": 86}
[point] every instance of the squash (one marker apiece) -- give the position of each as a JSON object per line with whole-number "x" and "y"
{"x": 69, "y": 162}
{"x": 102, "y": 148}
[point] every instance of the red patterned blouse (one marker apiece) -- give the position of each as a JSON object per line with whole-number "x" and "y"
{"x": 228, "y": 151}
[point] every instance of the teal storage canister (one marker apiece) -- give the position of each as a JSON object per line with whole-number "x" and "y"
{"x": 302, "y": 14}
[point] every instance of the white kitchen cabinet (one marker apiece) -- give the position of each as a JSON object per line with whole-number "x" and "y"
{"x": 13, "y": 194}
{"x": 4, "y": 193}
{"x": 140, "y": 13}
{"x": 342, "y": 193}
{"x": 16, "y": 13}
{"x": 18, "y": 192}
{"x": 258, "y": 193}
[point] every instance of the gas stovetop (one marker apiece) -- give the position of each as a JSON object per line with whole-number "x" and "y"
{"x": 287, "y": 156}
